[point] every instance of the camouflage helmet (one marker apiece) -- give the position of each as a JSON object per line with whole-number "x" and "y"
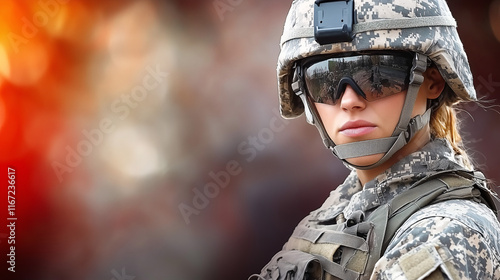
{"x": 424, "y": 26}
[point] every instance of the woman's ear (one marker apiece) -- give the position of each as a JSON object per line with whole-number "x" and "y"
{"x": 433, "y": 82}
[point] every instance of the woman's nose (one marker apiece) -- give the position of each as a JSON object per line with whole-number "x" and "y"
{"x": 350, "y": 100}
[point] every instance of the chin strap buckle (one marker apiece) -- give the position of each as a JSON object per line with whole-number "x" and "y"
{"x": 416, "y": 123}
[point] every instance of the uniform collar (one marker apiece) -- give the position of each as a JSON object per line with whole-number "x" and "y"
{"x": 437, "y": 155}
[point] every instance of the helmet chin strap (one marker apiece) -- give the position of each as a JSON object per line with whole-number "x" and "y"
{"x": 406, "y": 128}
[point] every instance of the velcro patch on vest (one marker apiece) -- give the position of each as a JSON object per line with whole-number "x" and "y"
{"x": 325, "y": 250}
{"x": 423, "y": 262}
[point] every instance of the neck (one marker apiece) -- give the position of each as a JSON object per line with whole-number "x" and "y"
{"x": 419, "y": 140}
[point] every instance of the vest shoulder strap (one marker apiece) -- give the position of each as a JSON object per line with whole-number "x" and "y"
{"x": 436, "y": 188}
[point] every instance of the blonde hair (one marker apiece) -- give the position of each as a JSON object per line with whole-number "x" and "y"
{"x": 445, "y": 124}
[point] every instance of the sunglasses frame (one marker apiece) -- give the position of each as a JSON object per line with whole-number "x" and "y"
{"x": 348, "y": 80}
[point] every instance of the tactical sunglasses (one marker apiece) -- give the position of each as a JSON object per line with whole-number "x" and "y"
{"x": 372, "y": 76}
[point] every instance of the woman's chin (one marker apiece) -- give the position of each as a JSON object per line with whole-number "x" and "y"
{"x": 366, "y": 160}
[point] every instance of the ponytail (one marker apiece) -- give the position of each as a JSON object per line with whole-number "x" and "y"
{"x": 444, "y": 123}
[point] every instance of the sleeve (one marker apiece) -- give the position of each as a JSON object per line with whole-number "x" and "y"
{"x": 438, "y": 248}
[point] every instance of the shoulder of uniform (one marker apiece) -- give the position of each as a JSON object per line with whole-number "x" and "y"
{"x": 454, "y": 216}
{"x": 337, "y": 200}
{"x": 473, "y": 214}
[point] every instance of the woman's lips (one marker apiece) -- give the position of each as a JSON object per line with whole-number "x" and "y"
{"x": 357, "y": 128}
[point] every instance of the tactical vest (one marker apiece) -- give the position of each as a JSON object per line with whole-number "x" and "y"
{"x": 348, "y": 249}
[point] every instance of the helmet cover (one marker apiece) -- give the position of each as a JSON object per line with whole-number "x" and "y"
{"x": 424, "y": 26}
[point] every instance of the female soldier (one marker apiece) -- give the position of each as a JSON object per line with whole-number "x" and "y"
{"x": 380, "y": 79}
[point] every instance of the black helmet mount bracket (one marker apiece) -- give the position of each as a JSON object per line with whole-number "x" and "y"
{"x": 333, "y": 21}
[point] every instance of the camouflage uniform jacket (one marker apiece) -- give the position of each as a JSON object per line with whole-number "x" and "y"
{"x": 453, "y": 239}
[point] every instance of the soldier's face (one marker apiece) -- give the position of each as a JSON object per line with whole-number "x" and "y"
{"x": 354, "y": 119}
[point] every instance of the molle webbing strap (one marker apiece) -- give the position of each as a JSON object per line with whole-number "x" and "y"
{"x": 298, "y": 265}
{"x": 313, "y": 239}
{"x": 325, "y": 236}
{"x": 291, "y": 265}
{"x": 337, "y": 270}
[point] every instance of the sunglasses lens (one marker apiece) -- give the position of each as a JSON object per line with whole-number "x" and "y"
{"x": 377, "y": 76}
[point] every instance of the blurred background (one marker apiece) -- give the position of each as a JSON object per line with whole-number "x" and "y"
{"x": 116, "y": 115}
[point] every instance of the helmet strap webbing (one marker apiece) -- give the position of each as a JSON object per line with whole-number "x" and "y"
{"x": 406, "y": 128}
{"x": 312, "y": 116}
